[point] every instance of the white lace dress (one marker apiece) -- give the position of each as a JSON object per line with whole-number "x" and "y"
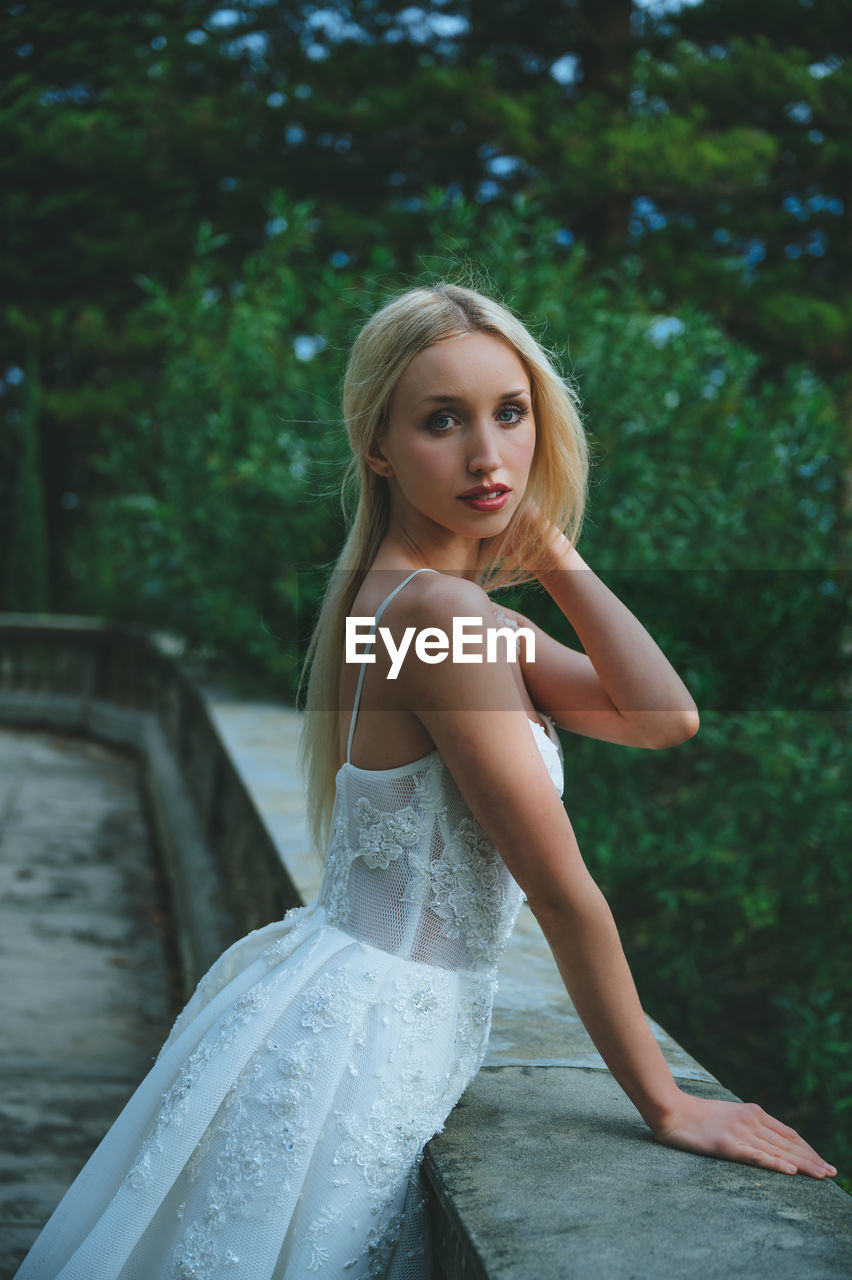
{"x": 280, "y": 1130}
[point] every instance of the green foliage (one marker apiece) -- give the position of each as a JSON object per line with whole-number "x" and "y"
{"x": 703, "y": 152}
{"x": 774, "y": 229}
{"x": 218, "y": 533}
{"x": 715, "y": 510}
{"x": 715, "y": 502}
{"x": 725, "y": 863}
{"x": 715, "y": 484}
{"x": 26, "y": 587}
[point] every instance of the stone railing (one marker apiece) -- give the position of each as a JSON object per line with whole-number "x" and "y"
{"x": 120, "y": 685}
{"x": 544, "y": 1168}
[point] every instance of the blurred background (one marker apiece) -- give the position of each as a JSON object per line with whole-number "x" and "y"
{"x": 202, "y": 204}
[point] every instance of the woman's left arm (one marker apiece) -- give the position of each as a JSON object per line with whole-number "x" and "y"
{"x": 623, "y": 688}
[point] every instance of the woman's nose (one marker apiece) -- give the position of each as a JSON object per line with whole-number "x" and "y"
{"x": 484, "y": 451}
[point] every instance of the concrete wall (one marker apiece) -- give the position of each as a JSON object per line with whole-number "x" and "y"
{"x": 120, "y": 685}
{"x": 544, "y": 1169}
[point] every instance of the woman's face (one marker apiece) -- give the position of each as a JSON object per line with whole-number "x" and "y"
{"x": 460, "y": 417}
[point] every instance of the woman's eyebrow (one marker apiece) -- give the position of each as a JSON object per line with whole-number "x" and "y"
{"x": 451, "y": 399}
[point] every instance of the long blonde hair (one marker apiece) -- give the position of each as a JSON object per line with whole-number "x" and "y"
{"x": 384, "y": 348}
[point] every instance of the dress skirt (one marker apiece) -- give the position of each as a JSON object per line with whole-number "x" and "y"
{"x": 279, "y": 1132}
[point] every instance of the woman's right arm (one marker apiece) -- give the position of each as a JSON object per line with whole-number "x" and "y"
{"x": 582, "y": 935}
{"x": 474, "y": 714}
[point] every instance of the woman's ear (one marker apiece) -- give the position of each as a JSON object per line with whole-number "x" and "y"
{"x": 377, "y": 461}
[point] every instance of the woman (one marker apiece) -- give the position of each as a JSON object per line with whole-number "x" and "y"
{"x": 279, "y": 1132}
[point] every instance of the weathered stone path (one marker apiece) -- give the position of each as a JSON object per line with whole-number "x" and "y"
{"x": 87, "y": 994}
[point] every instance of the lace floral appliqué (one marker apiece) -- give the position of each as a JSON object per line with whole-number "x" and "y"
{"x": 385, "y": 837}
{"x": 469, "y": 892}
{"x": 257, "y": 1142}
{"x": 386, "y": 1144}
{"x": 424, "y": 1003}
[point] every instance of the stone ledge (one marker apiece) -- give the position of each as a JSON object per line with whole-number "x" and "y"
{"x": 570, "y": 1177}
{"x": 123, "y": 686}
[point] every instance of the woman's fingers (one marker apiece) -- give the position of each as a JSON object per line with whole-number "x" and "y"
{"x": 796, "y": 1147}
{"x": 791, "y": 1157}
{"x": 743, "y": 1132}
{"x": 790, "y": 1145}
{"x": 766, "y": 1160}
{"x": 780, "y": 1145}
{"x": 783, "y": 1129}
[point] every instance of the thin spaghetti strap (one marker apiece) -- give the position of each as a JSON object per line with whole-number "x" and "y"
{"x": 362, "y": 672}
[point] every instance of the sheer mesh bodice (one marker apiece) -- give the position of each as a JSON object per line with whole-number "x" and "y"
{"x": 409, "y": 868}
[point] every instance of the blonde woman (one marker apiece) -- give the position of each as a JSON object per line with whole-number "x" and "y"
{"x": 279, "y": 1132}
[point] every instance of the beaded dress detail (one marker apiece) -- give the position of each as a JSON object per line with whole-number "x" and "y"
{"x": 279, "y": 1133}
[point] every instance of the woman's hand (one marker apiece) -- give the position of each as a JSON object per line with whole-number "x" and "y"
{"x": 528, "y": 527}
{"x": 740, "y": 1131}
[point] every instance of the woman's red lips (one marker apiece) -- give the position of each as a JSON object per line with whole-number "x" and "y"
{"x": 492, "y": 491}
{"x": 482, "y": 499}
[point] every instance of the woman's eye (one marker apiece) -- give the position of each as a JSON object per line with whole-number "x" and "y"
{"x": 510, "y": 414}
{"x": 516, "y": 411}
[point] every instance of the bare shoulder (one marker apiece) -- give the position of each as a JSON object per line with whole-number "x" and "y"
{"x": 462, "y": 694}
{"x": 429, "y": 599}
{"x": 436, "y": 609}
{"x": 440, "y": 597}
{"x": 435, "y": 600}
